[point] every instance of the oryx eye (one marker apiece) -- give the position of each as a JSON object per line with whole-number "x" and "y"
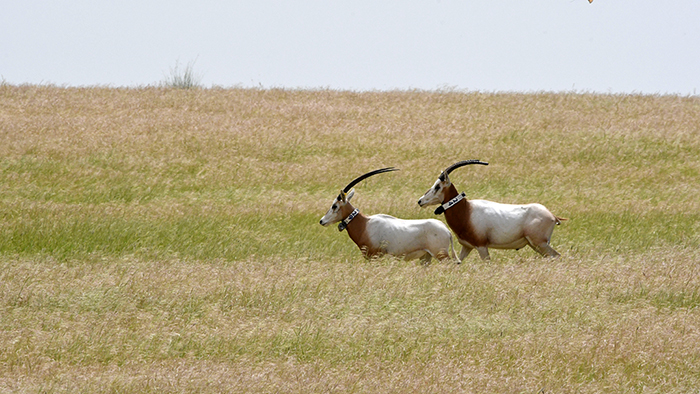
{"x": 335, "y": 206}
{"x": 437, "y": 187}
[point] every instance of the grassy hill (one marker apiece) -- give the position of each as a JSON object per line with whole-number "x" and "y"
{"x": 162, "y": 240}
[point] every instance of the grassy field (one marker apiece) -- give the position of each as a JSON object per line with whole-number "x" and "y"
{"x": 167, "y": 241}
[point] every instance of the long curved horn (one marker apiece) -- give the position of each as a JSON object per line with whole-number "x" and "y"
{"x": 462, "y": 163}
{"x": 365, "y": 176}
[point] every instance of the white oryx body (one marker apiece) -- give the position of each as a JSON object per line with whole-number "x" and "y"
{"x": 482, "y": 224}
{"x": 383, "y": 234}
{"x": 412, "y": 239}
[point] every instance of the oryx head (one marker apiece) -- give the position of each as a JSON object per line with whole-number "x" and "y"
{"x": 436, "y": 194}
{"x": 337, "y": 211}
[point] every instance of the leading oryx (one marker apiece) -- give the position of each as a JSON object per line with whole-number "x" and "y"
{"x": 481, "y": 224}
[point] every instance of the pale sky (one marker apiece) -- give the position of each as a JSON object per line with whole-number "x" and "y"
{"x": 608, "y": 46}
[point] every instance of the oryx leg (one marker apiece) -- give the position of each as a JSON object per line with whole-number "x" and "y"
{"x": 426, "y": 258}
{"x": 483, "y": 253}
{"x": 464, "y": 253}
{"x": 543, "y": 248}
{"x": 442, "y": 255}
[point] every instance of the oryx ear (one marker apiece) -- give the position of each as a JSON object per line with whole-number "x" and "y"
{"x": 350, "y": 194}
{"x": 444, "y": 177}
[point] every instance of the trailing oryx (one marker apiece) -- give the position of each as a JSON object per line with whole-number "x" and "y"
{"x": 383, "y": 234}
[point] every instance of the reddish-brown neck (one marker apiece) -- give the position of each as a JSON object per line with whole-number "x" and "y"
{"x": 458, "y": 217}
{"x": 450, "y": 193}
{"x": 357, "y": 230}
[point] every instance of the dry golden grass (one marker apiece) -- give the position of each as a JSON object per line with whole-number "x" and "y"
{"x": 157, "y": 240}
